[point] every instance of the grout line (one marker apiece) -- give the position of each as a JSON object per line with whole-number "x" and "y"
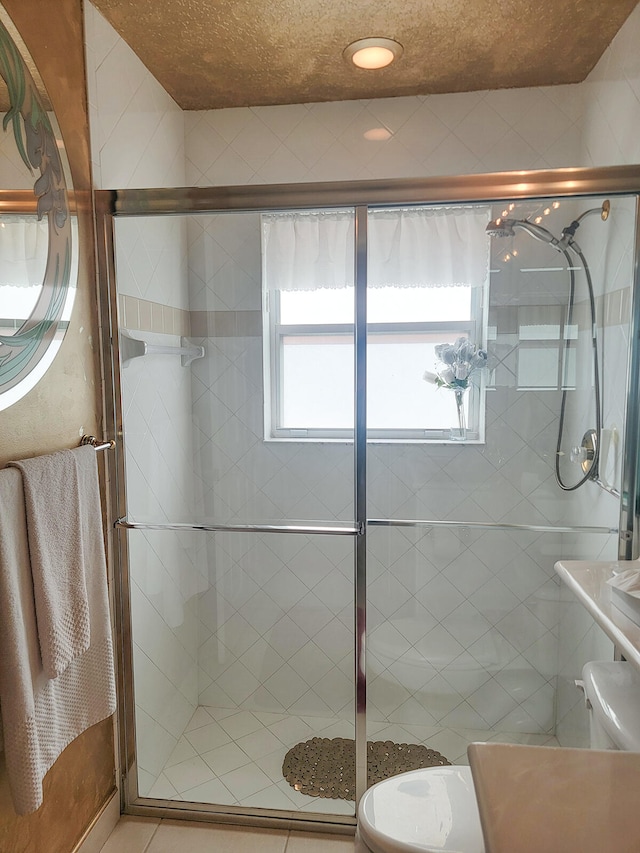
{"x": 153, "y": 835}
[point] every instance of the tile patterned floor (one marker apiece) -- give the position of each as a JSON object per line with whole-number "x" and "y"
{"x": 232, "y": 757}
{"x": 147, "y": 835}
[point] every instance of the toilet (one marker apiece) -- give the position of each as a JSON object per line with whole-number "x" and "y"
{"x": 434, "y": 810}
{"x": 612, "y": 694}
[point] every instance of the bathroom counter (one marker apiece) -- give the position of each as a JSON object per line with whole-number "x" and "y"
{"x": 588, "y": 581}
{"x": 538, "y": 799}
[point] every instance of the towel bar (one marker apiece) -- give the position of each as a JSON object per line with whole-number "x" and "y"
{"x": 353, "y": 529}
{"x": 96, "y": 443}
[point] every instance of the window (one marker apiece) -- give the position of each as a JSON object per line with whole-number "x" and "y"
{"x": 309, "y": 314}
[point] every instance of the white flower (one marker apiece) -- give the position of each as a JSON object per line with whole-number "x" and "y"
{"x": 457, "y": 362}
{"x": 464, "y": 350}
{"x": 446, "y": 353}
{"x": 448, "y": 375}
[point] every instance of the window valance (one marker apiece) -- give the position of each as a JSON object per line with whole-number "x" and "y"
{"x": 407, "y": 247}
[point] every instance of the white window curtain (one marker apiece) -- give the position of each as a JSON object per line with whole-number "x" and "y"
{"x": 24, "y": 243}
{"x": 308, "y": 250}
{"x": 407, "y": 247}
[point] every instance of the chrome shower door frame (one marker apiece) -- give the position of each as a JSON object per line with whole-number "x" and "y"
{"x": 358, "y": 195}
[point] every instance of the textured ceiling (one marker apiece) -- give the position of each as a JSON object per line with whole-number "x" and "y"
{"x": 229, "y": 53}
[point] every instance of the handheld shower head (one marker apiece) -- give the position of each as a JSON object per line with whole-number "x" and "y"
{"x": 500, "y": 228}
{"x": 506, "y": 228}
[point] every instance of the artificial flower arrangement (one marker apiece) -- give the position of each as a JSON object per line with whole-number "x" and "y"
{"x": 458, "y": 362}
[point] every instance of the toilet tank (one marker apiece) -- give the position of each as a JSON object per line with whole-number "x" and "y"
{"x": 612, "y": 690}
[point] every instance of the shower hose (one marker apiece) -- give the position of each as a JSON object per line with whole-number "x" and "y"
{"x": 596, "y": 370}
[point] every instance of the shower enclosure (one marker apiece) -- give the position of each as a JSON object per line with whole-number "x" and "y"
{"x": 312, "y": 548}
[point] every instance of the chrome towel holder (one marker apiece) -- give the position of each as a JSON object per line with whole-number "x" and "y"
{"x": 97, "y": 443}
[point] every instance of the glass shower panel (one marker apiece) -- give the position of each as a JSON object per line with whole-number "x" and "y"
{"x": 276, "y": 666}
{"x": 208, "y": 441}
{"x": 467, "y": 639}
{"x": 243, "y": 661}
{"x": 464, "y": 630}
{"x": 242, "y": 641}
{"x": 165, "y": 571}
{"x": 237, "y": 418}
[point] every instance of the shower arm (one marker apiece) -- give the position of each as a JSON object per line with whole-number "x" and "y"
{"x": 568, "y": 233}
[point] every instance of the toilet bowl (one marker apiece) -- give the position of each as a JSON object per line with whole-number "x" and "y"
{"x": 389, "y": 646}
{"x": 392, "y": 659}
{"x": 434, "y": 810}
{"x": 427, "y": 811}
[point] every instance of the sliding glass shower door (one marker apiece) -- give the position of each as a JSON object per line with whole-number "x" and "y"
{"x": 344, "y": 478}
{"x": 242, "y": 598}
{"x": 467, "y": 639}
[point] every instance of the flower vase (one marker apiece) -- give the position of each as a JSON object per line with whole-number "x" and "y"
{"x": 459, "y": 433}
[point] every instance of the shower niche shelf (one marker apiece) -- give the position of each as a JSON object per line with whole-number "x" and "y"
{"x": 131, "y": 348}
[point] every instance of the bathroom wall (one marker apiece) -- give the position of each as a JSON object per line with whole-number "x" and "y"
{"x": 138, "y": 141}
{"x": 589, "y": 124}
{"x": 429, "y": 135}
{"x": 488, "y": 623}
{"x": 62, "y": 407}
{"x": 612, "y": 101}
{"x": 494, "y": 592}
{"x": 436, "y": 135}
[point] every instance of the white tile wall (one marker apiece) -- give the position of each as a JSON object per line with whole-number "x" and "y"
{"x": 612, "y": 102}
{"x": 137, "y": 135}
{"x": 166, "y": 577}
{"x": 137, "y": 129}
{"x": 430, "y": 135}
{"x": 453, "y": 619}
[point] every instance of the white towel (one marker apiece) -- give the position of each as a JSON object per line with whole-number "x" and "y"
{"x": 54, "y": 530}
{"x": 41, "y": 716}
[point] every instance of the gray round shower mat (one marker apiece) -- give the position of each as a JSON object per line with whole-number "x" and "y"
{"x": 325, "y": 767}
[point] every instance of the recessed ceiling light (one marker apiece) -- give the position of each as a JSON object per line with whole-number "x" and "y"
{"x": 372, "y": 53}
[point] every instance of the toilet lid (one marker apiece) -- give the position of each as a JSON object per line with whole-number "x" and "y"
{"x": 429, "y": 811}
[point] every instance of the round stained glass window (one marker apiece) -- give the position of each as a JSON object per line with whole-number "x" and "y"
{"x": 38, "y": 225}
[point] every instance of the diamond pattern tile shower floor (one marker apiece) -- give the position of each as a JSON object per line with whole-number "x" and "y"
{"x": 235, "y": 757}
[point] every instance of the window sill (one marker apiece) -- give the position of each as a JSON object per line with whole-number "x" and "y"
{"x": 376, "y": 440}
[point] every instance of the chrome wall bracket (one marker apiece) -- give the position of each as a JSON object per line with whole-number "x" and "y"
{"x": 587, "y": 454}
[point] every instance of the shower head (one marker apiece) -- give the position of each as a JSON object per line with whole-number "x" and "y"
{"x": 506, "y": 228}
{"x": 500, "y": 228}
